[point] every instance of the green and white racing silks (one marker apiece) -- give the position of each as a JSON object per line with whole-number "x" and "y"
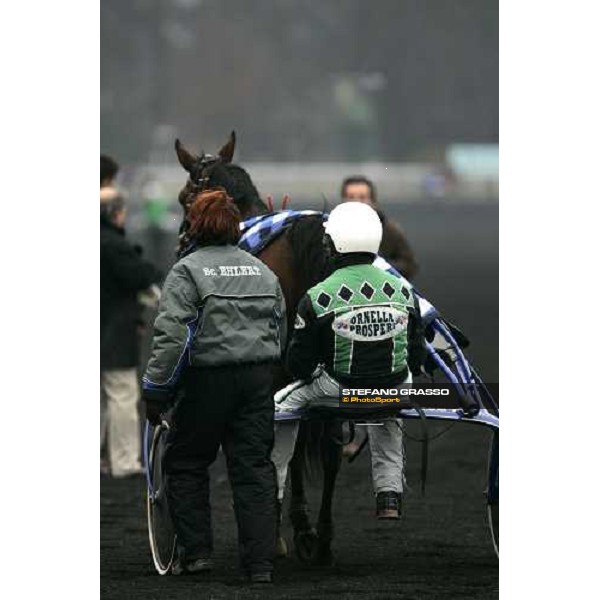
{"x": 369, "y": 311}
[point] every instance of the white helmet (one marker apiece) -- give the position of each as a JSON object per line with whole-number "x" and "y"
{"x": 354, "y": 227}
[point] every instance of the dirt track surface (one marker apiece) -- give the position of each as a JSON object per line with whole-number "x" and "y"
{"x": 441, "y": 547}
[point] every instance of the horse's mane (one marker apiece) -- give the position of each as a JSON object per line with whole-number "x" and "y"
{"x": 240, "y": 187}
{"x": 306, "y": 240}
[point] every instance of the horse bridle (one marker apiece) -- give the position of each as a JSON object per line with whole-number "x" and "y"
{"x": 196, "y": 182}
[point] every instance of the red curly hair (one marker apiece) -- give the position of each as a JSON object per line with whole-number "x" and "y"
{"x": 213, "y": 219}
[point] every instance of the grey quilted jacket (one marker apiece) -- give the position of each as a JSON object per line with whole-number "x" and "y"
{"x": 220, "y": 306}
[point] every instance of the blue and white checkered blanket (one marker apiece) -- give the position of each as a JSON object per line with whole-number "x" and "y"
{"x": 258, "y": 232}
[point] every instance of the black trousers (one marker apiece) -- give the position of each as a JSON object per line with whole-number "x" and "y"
{"x": 230, "y": 406}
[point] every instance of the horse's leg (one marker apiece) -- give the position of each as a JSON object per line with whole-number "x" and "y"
{"x": 305, "y": 536}
{"x": 281, "y": 548}
{"x": 331, "y": 453}
{"x": 298, "y": 504}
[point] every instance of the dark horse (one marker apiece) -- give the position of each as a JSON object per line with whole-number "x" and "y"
{"x": 297, "y": 258}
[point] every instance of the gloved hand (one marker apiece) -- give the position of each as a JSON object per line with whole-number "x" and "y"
{"x": 157, "y": 403}
{"x": 154, "y": 410}
{"x": 471, "y": 411}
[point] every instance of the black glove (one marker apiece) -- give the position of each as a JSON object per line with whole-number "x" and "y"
{"x": 157, "y": 403}
{"x": 429, "y": 333}
{"x": 471, "y": 411}
{"x": 154, "y": 412}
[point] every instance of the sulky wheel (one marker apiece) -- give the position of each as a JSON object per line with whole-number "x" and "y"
{"x": 160, "y": 528}
{"x": 493, "y": 497}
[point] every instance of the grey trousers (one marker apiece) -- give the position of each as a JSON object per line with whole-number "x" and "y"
{"x": 385, "y": 440}
{"x": 119, "y": 420}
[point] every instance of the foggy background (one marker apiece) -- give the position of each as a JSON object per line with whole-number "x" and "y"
{"x": 403, "y": 91}
{"x": 299, "y": 80}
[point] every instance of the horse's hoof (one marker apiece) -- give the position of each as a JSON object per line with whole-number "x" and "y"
{"x": 281, "y": 548}
{"x": 305, "y": 544}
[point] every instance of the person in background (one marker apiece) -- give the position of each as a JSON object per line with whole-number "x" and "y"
{"x": 109, "y": 169}
{"x": 394, "y": 245}
{"x": 123, "y": 274}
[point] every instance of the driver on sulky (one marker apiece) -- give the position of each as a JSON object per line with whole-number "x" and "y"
{"x": 219, "y": 331}
{"x": 359, "y": 328}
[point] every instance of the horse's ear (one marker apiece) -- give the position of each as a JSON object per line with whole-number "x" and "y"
{"x": 186, "y": 159}
{"x": 226, "y": 152}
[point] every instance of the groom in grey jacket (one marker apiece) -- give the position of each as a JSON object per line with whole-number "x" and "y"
{"x": 219, "y": 331}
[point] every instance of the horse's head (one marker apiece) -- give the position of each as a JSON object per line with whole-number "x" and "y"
{"x": 207, "y": 171}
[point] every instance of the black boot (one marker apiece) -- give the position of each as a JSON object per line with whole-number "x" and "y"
{"x": 199, "y": 565}
{"x": 389, "y": 505}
